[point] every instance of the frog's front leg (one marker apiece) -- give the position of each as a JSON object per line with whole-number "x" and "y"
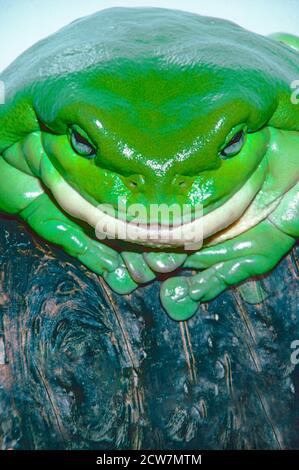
{"x": 48, "y": 221}
{"x": 22, "y": 194}
{"x": 252, "y": 253}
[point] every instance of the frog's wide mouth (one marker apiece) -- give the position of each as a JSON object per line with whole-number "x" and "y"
{"x": 187, "y": 234}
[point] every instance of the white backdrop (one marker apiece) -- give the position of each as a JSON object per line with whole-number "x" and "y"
{"x": 23, "y": 22}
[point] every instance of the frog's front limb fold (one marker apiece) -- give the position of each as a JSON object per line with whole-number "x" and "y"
{"x": 48, "y": 221}
{"x": 255, "y": 252}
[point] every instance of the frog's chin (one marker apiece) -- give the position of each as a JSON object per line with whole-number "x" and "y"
{"x": 188, "y": 235}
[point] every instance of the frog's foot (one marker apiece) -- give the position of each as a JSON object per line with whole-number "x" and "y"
{"x": 46, "y": 219}
{"x": 253, "y": 253}
{"x": 181, "y": 296}
{"x": 175, "y": 298}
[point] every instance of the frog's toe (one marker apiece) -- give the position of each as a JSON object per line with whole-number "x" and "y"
{"x": 176, "y": 300}
{"x": 137, "y": 267}
{"x": 99, "y": 258}
{"x": 120, "y": 280}
{"x": 164, "y": 262}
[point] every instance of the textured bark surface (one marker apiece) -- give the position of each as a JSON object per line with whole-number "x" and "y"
{"x": 84, "y": 368}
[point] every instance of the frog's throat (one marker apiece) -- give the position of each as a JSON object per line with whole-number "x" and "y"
{"x": 215, "y": 221}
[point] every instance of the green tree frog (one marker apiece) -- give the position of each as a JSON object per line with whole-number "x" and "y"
{"x": 152, "y": 106}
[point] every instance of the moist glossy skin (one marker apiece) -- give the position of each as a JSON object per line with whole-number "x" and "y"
{"x": 156, "y": 106}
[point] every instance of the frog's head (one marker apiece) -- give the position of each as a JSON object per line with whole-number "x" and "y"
{"x": 177, "y": 118}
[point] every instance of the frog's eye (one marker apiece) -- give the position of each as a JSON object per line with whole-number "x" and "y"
{"x": 81, "y": 145}
{"x": 234, "y": 145}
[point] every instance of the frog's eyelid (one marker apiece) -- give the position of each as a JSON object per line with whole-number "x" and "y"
{"x": 80, "y": 139}
{"x": 81, "y": 145}
{"x": 235, "y": 144}
{"x": 233, "y": 148}
{"x": 242, "y": 127}
{"x": 237, "y": 137}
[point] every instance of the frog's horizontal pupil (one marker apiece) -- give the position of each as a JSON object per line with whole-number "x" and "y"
{"x": 81, "y": 145}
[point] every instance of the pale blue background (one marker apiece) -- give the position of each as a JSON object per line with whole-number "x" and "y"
{"x": 23, "y": 22}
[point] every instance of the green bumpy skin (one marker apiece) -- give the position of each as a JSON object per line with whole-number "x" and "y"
{"x": 165, "y": 107}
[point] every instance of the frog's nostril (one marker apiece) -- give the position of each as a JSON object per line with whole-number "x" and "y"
{"x": 180, "y": 183}
{"x": 132, "y": 184}
{"x": 135, "y": 182}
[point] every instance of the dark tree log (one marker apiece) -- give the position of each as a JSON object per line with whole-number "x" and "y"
{"x": 84, "y": 368}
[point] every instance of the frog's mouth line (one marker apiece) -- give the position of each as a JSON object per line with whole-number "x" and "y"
{"x": 159, "y": 236}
